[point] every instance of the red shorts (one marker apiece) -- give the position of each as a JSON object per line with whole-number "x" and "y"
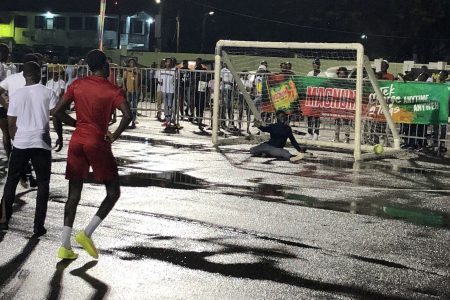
{"x": 96, "y": 154}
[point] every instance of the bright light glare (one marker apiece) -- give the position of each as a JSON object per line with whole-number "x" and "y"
{"x": 49, "y": 15}
{"x": 211, "y": 13}
{"x": 150, "y": 20}
{"x": 158, "y": 1}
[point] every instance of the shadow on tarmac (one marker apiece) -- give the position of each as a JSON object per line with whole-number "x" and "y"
{"x": 264, "y": 269}
{"x": 13, "y": 269}
{"x": 101, "y": 288}
{"x": 55, "y": 284}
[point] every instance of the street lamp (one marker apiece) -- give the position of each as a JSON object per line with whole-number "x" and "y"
{"x": 149, "y": 21}
{"x": 205, "y": 16}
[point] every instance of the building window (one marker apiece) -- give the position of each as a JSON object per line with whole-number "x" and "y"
{"x": 39, "y": 22}
{"x": 111, "y": 24}
{"x": 21, "y": 21}
{"x": 76, "y": 23}
{"x": 90, "y": 23}
{"x": 136, "y": 26}
{"x": 49, "y": 24}
{"x": 59, "y": 23}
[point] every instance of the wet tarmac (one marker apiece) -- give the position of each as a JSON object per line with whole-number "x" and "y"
{"x": 196, "y": 223}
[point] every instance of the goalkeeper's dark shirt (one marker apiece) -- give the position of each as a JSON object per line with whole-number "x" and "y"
{"x": 279, "y": 133}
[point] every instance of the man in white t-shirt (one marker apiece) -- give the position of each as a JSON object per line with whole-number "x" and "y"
{"x": 167, "y": 78}
{"x": 4, "y": 53}
{"x": 28, "y": 119}
{"x": 57, "y": 85}
{"x": 226, "y": 89}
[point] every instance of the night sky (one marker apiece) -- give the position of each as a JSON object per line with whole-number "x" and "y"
{"x": 396, "y": 29}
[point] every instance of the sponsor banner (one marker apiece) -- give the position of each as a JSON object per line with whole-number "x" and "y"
{"x": 409, "y": 102}
{"x": 415, "y": 102}
{"x": 283, "y": 93}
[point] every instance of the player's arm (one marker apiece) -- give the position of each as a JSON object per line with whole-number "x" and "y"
{"x": 126, "y": 119}
{"x": 60, "y": 113}
{"x": 295, "y": 143}
{"x": 12, "y": 126}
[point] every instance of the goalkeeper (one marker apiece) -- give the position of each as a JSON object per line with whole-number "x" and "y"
{"x": 279, "y": 133}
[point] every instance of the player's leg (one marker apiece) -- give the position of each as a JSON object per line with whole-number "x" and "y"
{"x": 70, "y": 210}
{"x": 260, "y": 149}
{"x": 17, "y": 161}
{"x": 4, "y": 127}
{"x": 77, "y": 169}
{"x": 105, "y": 170}
{"x": 279, "y": 152}
{"x": 42, "y": 161}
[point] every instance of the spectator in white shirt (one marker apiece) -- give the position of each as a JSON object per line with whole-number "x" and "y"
{"x": 57, "y": 85}
{"x": 167, "y": 81}
{"x": 226, "y": 89}
{"x": 28, "y": 118}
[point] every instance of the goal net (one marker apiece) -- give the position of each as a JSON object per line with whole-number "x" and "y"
{"x": 329, "y": 91}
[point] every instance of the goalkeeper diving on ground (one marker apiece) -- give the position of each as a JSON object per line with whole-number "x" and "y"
{"x": 279, "y": 133}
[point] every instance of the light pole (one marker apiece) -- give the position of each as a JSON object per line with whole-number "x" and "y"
{"x": 149, "y": 22}
{"x": 205, "y": 16}
{"x": 158, "y": 25}
{"x": 178, "y": 32}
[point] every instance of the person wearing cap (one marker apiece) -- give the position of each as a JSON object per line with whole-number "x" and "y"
{"x": 279, "y": 133}
{"x": 260, "y": 76}
{"x": 316, "y": 69}
{"x": 384, "y": 74}
{"x": 265, "y": 64}
{"x": 286, "y": 68}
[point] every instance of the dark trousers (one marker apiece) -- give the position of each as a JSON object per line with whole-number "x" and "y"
{"x": 200, "y": 105}
{"x": 313, "y": 125}
{"x": 41, "y": 160}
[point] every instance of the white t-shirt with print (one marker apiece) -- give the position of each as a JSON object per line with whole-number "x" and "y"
{"x": 56, "y": 86}
{"x": 227, "y": 77}
{"x": 167, "y": 77}
{"x": 31, "y": 105}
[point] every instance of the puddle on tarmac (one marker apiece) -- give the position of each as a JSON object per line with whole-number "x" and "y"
{"x": 278, "y": 193}
{"x": 414, "y": 169}
{"x": 170, "y": 180}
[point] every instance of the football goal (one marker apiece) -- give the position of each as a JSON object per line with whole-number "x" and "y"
{"x": 329, "y": 91}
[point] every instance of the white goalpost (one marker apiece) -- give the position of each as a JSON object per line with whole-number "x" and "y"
{"x": 321, "y": 103}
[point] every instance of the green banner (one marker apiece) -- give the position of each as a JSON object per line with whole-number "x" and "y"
{"x": 409, "y": 102}
{"x": 416, "y": 102}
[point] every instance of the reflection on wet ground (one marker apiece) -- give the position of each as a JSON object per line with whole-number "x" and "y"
{"x": 170, "y": 180}
{"x": 278, "y": 193}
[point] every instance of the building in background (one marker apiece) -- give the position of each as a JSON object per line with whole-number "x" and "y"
{"x": 73, "y": 34}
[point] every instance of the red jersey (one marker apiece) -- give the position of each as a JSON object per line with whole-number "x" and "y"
{"x": 95, "y": 99}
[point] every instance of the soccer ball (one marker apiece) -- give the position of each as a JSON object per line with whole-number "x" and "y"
{"x": 378, "y": 149}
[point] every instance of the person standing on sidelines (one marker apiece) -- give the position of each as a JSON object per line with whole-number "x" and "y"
{"x": 167, "y": 79}
{"x": 90, "y": 146}
{"x": 4, "y": 53}
{"x": 8, "y": 87}
{"x": 314, "y": 122}
{"x": 131, "y": 79}
{"x": 28, "y": 122}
